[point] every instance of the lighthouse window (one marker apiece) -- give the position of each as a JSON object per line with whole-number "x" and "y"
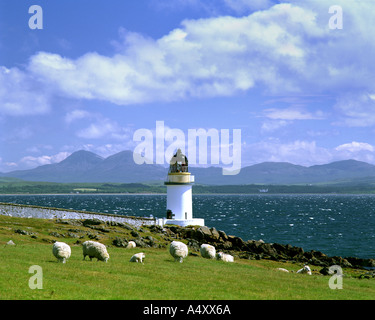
{"x": 178, "y": 163}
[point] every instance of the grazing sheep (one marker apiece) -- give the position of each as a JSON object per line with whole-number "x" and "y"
{"x": 305, "y": 269}
{"x": 11, "y": 243}
{"x": 178, "y": 250}
{"x": 282, "y": 269}
{"x": 224, "y": 257}
{"x": 207, "y": 251}
{"x": 61, "y": 251}
{"x": 131, "y": 244}
{"x": 95, "y": 250}
{"x": 138, "y": 257}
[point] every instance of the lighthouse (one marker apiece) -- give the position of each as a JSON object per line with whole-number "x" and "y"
{"x": 179, "y": 193}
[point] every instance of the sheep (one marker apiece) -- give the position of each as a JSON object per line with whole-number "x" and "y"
{"x": 95, "y": 250}
{"x": 131, "y": 244}
{"x": 178, "y": 250}
{"x": 282, "y": 269}
{"x": 61, "y": 251}
{"x": 224, "y": 257}
{"x": 207, "y": 251}
{"x": 305, "y": 269}
{"x": 11, "y": 243}
{"x": 138, "y": 257}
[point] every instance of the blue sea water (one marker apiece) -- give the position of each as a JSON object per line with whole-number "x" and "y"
{"x": 341, "y": 225}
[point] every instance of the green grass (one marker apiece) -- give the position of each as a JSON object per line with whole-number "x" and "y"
{"x": 158, "y": 278}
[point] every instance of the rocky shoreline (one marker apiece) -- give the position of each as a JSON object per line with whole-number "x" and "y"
{"x": 253, "y": 249}
{"x": 153, "y": 235}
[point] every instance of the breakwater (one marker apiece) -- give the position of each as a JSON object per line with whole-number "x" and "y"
{"x": 30, "y": 211}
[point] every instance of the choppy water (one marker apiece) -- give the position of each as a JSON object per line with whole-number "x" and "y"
{"x": 342, "y": 225}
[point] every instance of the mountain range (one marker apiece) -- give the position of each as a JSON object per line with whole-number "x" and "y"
{"x": 85, "y": 166}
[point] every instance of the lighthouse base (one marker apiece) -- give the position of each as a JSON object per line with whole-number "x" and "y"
{"x": 181, "y": 222}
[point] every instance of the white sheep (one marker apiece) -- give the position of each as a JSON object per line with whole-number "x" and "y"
{"x": 207, "y": 251}
{"x": 138, "y": 257}
{"x": 305, "y": 269}
{"x": 282, "y": 269}
{"x": 131, "y": 244}
{"x": 61, "y": 251}
{"x": 224, "y": 257}
{"x": 178, "y": 250}
{"x": 95, "y": 250}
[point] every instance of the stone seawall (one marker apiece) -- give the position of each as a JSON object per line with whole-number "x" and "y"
{"x": 27, "y": 211}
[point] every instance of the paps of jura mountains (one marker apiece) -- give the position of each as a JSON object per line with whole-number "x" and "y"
{"x": 84, "y": 166}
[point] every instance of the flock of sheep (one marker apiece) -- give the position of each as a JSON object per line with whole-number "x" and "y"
{"x": 93, "y": 249}
{"x": 177, "y": 249}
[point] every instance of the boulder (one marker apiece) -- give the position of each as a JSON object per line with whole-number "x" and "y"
{"x": 193, "y": 244}
{"x": 223, "y": 235}
{"x": 215, "y": 236}
{"x": 134, "y": 233}
{"x": 91, "y": 222}
{"x": 118, "y": 242}
{"x": 361, "y": 263}
{"x": 237, "y": 243}
{"x": 202, "y": 233}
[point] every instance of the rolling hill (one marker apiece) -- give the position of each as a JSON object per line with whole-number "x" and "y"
{"x": 85, "y": 166}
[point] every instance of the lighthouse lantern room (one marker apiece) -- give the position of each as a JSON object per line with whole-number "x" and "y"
{"x": 179, "y": 193}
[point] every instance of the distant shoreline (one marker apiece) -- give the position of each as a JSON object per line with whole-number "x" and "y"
{"x": 194, "y": 194}
{"x": 78, "y": 194}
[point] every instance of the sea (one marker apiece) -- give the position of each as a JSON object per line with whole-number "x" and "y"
{"x": 337, "y": 225}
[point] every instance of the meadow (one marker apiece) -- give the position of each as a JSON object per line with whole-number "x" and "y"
{"x": 159, "y": 278}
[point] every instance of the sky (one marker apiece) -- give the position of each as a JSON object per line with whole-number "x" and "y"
{"x": 295, "y": 77}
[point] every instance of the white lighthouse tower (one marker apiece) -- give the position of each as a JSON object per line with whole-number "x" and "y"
{"x": 179, "y": 193}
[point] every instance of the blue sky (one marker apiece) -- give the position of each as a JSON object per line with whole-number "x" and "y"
{"x": 100, "y": 70}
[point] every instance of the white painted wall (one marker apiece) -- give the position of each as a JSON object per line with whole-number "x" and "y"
{"x": 25, "y": 211}
{"x": 179, "y": 200}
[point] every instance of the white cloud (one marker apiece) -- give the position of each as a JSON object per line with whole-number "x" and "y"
{"x": 292, "y": 114}
{"x": 77, "y": 115}
{"x": 284, "y": 49}
{"x": 273, "y": 125}
{"x": 356, "y": 110}
{"x": 361, "y": 151}
{"x": 306, "y": 153}
{"x": 99, "y": 129}
{"x": 207, "y": 57}
{"x": 299, "y": 152}
{"x": 355, "y": 147}
{"x": 104, "y": 128}
{"x": 20, "y": 94}
{"x": 11, "y": 165}
{"x": 31, "y": 161}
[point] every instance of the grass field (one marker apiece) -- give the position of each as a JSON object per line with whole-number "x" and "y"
{"x": 158, "y": 278}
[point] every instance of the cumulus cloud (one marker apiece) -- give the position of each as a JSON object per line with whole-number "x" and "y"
{"x": 99, "y": 126}
{"x": 355, "y": 147}
{"x": 208, "y": 57}
{"x": 20, "y": 94}
{"x": 31, "y": 161}
{"x": 286, "y": 48}
{"x": 102, "y": 128}
{"x": 361, "y": 151}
